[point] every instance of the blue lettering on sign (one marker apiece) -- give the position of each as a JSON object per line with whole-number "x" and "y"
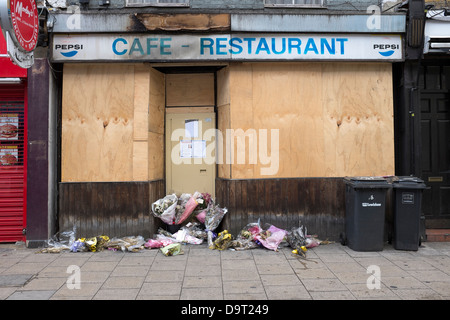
{"x": 206, "y": 43}
{"x": 342, "y": 41}
{"x": 220, "y": 46}
{"x": 238, "y": 47}
{"x": 163, "y": 47}
{"x": 150, "y": 45}
{"x": 262, "y": 45}
{"x": 136, "y": 46}
{"x": 248, "y": 46}
{"x": 294, "y": 43}
{"x": 311, "y": 46}
{"x": 114, "y": 46}
{"x": 331, "y": 48}
{"x": 283, "y": 46}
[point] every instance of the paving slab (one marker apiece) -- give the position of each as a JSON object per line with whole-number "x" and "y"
{"x": 203, "y": 294}
{"x": 31, "y": 295}
{"x": 14, "y": 280}
{"x": 243, "y": 287}
{"x": 202, "y": 281}
{"x": 330, "y": 272}
{"x": 116, "y": 294}
{"x": 287, "y": 292}
{"x": 126, "y": 282}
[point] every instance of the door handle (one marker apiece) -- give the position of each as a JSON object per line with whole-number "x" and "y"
{"x": 202, "y": 170}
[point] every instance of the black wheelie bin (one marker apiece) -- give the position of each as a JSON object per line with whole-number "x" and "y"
{"x": 365, "y": 204}
{"x": 407, "y": 210}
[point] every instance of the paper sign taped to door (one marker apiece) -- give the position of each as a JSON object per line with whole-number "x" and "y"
{"x": 193, "y": 149}
{"x": 199, "y": 148}
{"x": 186, "y": 149}
{"x": 191, "y": 128}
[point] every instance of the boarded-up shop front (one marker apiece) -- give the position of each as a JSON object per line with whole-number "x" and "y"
{"x": 268, "y": 126}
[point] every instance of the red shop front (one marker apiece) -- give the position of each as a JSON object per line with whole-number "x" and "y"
{"x": 13, "y": 148}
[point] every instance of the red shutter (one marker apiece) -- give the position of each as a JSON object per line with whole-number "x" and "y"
{"x": 13, "y": 166}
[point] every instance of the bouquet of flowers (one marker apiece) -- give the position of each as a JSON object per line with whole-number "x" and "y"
{"x": 172, "y": 250}
{"x": 204, "y": 201}
{"x": 223, "y": 241}
{"x": 130, "y": 244}
{"x": 213, "y": 217}
{"x": 271, "y": 238}
{"x": 165, "y": 208}
{"x": 244, "y": 239}
{"x": 186, "y": 208}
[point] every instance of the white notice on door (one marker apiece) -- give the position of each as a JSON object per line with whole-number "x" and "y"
{"x": 191, "y": 128}
{"x": 186, "y": 149}
{"x": 199, "y": 148}
{"x": 193, "y": 149}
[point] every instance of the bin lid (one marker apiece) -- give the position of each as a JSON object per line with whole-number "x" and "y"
{"x": 367, "y": 182}
{"x": 408, "y": 182}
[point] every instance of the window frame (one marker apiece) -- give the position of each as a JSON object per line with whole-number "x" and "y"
{"x": 158, "y": 4}
{"x": 323, "y": 4}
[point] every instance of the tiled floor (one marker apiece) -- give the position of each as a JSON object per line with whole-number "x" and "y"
{"x": 330, "y": 272}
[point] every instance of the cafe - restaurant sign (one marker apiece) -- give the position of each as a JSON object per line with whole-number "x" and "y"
{"x": 165, "y": 47}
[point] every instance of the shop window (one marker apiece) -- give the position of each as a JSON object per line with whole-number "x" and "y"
{"x": 158, "y": 3}
{"x": 295, "y": 3}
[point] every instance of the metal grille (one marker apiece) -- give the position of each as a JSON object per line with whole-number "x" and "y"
{"x": 415, "y": 37}
{"x": 12, "y": 168}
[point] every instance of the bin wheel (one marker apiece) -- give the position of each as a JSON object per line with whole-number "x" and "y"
{"x": 343, "y": 239}
{"x": 420, "y": 241}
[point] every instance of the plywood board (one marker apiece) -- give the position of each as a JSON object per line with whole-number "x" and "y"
{"x": 140, "y": 160}
{"x": 195, "y": 89}
{"x": 112, "y": 123}
{"x": 223, "y": 86}
{"x": 97, "y": 122}
{"x": 333, "y": 118}
{"x": 141, "y": 102}
{"x": 285, "y": 99}
{"x": 157, "y": 102}
{"x": 155, "y": 156}
{"x": 241, "y": 119}
{"x": 223, "y": 123}
{"x": 359, "y": 119}
{"x": 156, "y": 125}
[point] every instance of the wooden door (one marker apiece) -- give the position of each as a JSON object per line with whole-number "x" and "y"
{"x": 435, "y": 158}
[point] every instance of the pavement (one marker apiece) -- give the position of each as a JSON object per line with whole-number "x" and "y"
{"x": 329, "y": 272}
